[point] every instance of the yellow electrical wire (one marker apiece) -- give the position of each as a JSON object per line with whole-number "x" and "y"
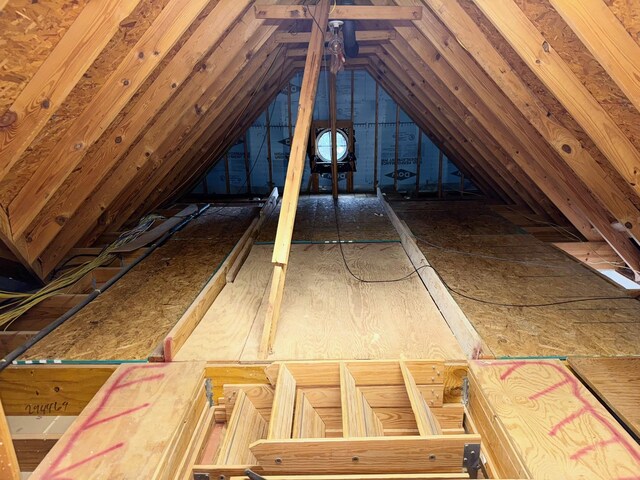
{"x": 25, "y": 301}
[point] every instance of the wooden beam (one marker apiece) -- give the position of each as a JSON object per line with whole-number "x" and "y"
{"x": 9, "y": 468}
{"x": 295, "y": 169}
{"x": 426, "y": 421}
{"x": 361, "y": 36}
{"x": 159, "y": 93}
{"x": 163, "y": 137}
{"x": 333, "y": 114}
{"x": 54, "y": 80}
{"x": 608, "y": 41}
{"x": 464, "y": 331}
{"x": 598, "y": 255}
{"x": 358, "y": 418}
{"x": 549, "y": 67}
{"x": 456, "y": 130}
{"x": 461, "y": 73}
{"x": 559, "y": 137}
{"x": 360, "y": 12}
{"x": 281, "y": 419}
{"x": 156, "y": 42}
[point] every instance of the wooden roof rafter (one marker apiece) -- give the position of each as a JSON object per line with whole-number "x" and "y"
{"x": 72, "y": 196}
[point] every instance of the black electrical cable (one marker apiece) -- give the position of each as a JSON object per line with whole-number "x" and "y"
{"x": 457, "y": 292}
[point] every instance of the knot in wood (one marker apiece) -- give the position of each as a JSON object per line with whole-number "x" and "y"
{"x": 8, "y": 118}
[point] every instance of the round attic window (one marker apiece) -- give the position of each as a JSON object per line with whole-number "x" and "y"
{"x": 323, "y": 145}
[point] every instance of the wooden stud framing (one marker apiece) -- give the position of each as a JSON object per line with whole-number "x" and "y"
{"x": 333, "y": 114}
{"x": 293, "y": 181}
{"x": 545, "y": 62}
{"x": 132, "y": 72}
{"x": 560, "y": 138}
{"x": 159, "y": 93}
{"x": 57, "y": 76}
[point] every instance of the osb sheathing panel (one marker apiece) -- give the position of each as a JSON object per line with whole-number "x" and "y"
{"x": 584, "y": 66}
{"x": 548, "y": 100}
{"x": 130, "y": 31}
{"x": 30, "y": 31}
{"x": 131, "y": 318}
{"x": 598, "y": 327}
{"x": 628, "y": 14}
{"x": 50, "y": 212}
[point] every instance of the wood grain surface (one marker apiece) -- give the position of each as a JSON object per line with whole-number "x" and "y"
{"x": 616, "y": 381}
{"x": 130, "y": 319}
{"x": 326, "y": 313}
{"x": 554, "y": 424}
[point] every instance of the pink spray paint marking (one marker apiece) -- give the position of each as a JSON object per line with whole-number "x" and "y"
{"x": 587, "y": 409}
{"x": 54, "y": 472}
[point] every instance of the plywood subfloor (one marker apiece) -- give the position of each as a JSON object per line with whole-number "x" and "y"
{"x": 326, "y": 313}
{"x": 554, "y": 424}
{"x": 543, "y": 275}
{"x": 616, "y": 381}
{"x": 360, "y": 217}
{"x": 130, "y": 319}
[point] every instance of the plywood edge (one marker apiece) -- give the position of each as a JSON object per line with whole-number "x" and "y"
{"x": 178, "y": 335}
{"x": 468, "y": 338}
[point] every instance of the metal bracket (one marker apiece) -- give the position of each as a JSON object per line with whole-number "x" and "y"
{"x": 200, "y": 476}
{"x": 208, "y": 388}
{"x": 471, "y": 459}
{"x": 465, "y": 391}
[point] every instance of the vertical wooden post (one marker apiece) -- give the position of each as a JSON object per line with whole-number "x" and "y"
{"x": 375, "y": 141}
{"x": 9, "y": 468}
{"x": 269, "y": 160}
{"x": 282, "y": 244}
{"x": 440, "y": 174}
{"x": 226, "y": 173}
{"x": 351, "y": 173}
{"x": 333, "y": 113}
{"x": 247, "y": 166}
{"x": 395, "y": 165}
{"x": 418, "y": 160}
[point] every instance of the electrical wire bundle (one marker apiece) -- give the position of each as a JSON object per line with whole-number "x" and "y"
{"x": 15, "y": 304}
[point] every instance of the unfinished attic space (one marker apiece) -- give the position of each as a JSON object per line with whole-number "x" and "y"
{"x": 319, "y": 239}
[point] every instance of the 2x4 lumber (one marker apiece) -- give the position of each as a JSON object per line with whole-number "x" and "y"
{"x": 206, "y": 145}
{"x": 462, "y": 328}
{"x": 130, "y": 177}
{"x": 427, "y": 122}
{"x": 598, "y": 255}
{"x": 465, "y": 79}
{"x": 112, "y": 97}
{"x": 300, "y": 12}
{"x": 154, "y": 98}
{"x": 560, "y": 138}
{"x": 488, "y": 168}
{"x": 333, "y": 114}
{"x": 607, "y": 40}
{"x": 556, "y": 75}
{"x": 442, "y": 454}
{"x": 426, "y": 421}
{"x": 306, "y": 422}
{"x": 9, "y": 468}
{"x": 295, "y": 169}
{"x": 246, "y": 426}
{"x": 54, "y": 80}
{"x": 190, "y": 119}
{"x": 281, "y": 419}
{"x": 361, "y": 36}
{"x": 178, "y": 335}
{"x": 383, "y": 476}
{"x": 358, "y": 418}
